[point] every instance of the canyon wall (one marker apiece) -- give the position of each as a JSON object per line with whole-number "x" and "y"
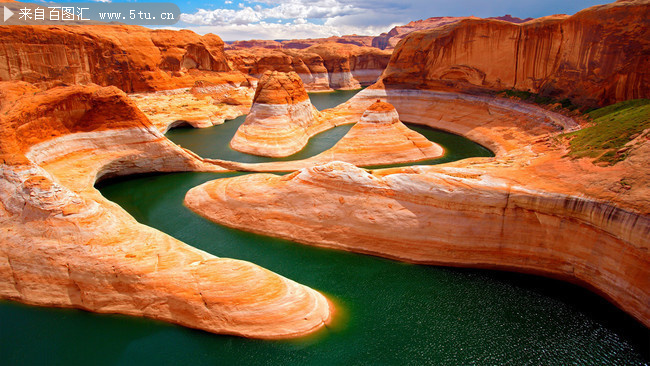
{"x": 444, "y": 216}
{"x": 131, "y": 58}
{"x": 529, "y": 209}
{"x": 596, "y": 57}
{"x": 364, "y": 41}
{"x": 63, "y": 244}
{"x": 322, "y": 67}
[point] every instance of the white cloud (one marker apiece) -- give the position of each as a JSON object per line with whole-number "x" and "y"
{"x": 227, "y": 2}
{"x": 264, "y": 30}
{"x": 293, "y": 9}
{"x": 258, "y": 19}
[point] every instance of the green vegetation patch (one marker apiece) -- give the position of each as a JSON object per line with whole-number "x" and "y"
{"x": 613, "y": 127}
{"x": 537, "y": 99}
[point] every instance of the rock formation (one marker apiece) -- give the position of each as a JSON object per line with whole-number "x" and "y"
{"x": 381, "y": 138}
{"x": 596, "y": 57}
{"x": 279, "y": 118}
{"x": 322, "y": 67}
{"x": 130, "y": 57}
{"x": 390, "y": 39}
{"x": 256, "y": 61}
{"x": 205, "y": 104}
{"x": 364, "y": 41}
{"x": 525, "y": 210}
{"x": 63, "y": 244}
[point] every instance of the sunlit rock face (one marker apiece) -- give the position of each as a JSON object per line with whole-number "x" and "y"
{"x": 596, "y": 57}
{"x": 131, "y": 58}
{"x": 63, "y": 244}
{"x": 280, "y": 117}
{"x": 381, "y": 138}
{"x": 322, "y": 66}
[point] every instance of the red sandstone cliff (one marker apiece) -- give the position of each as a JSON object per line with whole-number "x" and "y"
{"x": 63, "y": 244}
{"x": 595, "y": 57}
{"x": 365, "y": 41}
{"x": 129, "y": 57}
{"x": 390, "y": 39}
{"x": 323, "y": 66}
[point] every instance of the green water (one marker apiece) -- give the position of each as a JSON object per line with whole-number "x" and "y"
{"x": 391, "y": 313}
{"x": 214, "y": 142}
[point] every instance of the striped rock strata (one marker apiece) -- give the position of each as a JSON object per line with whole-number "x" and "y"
{"x": 279, "y": 118}
{"x": 132, "y": 58}
{"x": 380, "y": 138}
{"x": 321, "y": 67}
{"x": 529, "y": 209}
{"x": 597, "y": 56}
{"x": 204, "y": 105}
{"x": 63, "y": 244}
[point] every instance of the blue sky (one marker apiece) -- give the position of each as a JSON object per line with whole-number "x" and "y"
{"x": 286, "y": 19}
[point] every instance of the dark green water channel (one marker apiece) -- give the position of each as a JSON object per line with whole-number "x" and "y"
{"x": 390, "y": 313}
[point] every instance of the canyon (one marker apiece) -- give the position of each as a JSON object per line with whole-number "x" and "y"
{"x": 530, "y": 187}
{"x": 65, "y": 245}
{"x": 594, "y": 58}
{"x": 322, "y": 67}
{"x": 67, "y": 123}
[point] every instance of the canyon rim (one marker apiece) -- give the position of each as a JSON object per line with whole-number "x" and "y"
{"x": 561, "y": 101}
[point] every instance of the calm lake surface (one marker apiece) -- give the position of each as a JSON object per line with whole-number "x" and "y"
{"x": 389, "y": 313}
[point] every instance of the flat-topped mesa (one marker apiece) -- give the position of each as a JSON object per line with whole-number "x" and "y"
{"x": 381, "y": 138}
{"x": 279, "y": 118}
{"x": 321, "y": 67}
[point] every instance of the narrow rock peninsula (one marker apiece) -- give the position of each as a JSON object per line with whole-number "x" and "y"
{"x": 65, "y": 245}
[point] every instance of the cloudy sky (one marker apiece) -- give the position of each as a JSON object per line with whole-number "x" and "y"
{"x": 290, "y": 19}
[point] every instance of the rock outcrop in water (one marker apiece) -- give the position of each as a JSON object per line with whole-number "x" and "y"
{"x": 596, "y": 57}
{"x": 530, "y": 209}
{"x": 322, "y": 67}
{"x": 63, "y": 244}
{"x": 279, "y": 119}
{"x": 381, "y": 138}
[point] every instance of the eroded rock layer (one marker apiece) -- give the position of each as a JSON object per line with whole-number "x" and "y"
{"x": 529, "y": 209}
{"x": 322, "y": 67}
{"x": 63, "y": 244}
{"x": 279, "y": 119}
{"x": 448, "y": 216}
{"x": 130, "y": 57}
{"x": 381, "y": 138}
{"x": 596, "y": 57}
{"x": 203, "y": 105}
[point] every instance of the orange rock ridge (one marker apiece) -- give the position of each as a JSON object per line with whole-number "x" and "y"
{"x": 132, "y": 58}
{"x": 322, "y": 67}
{"x": 63, "y": 244}
{"x": 204, "y": 105}
{"x": 530, "y": 209}
{"x": 596, "y": 57}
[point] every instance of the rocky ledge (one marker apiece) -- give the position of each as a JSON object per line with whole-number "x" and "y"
{"x": 63, "y": 244}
